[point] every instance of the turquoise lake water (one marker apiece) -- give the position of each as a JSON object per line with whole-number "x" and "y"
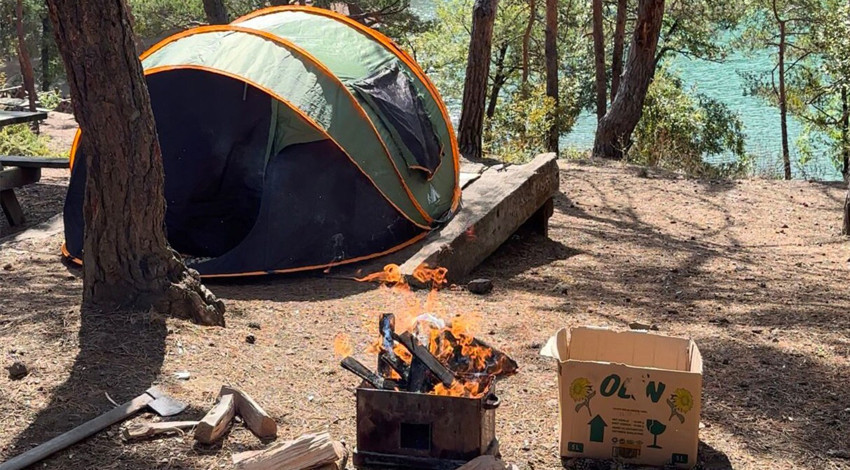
{"x": 722, "y": 82}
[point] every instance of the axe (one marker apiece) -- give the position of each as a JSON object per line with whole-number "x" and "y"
{"x": 152, "y": 398}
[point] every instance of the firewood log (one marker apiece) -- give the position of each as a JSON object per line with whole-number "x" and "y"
{"x": 217, "y": 420}
{"x": 307, "y": 452}
{"x": 256, "y": 419}
{"x": 486, "y": 462}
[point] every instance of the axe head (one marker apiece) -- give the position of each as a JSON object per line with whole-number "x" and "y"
{"x": 163, "y": 404}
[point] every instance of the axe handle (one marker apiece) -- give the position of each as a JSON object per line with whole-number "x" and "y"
{"x": 79, "y": 433}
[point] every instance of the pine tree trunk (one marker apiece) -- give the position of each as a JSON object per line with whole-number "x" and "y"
{"x": 599, "y": 56}
{"x": 845, "y": 133}
{"x": 216, "y": 12}
{"x": 845, "y": 227}
{"x": 619, "y": 39}
{"x": 127, "y": 263}
{"x": 526, "y": 39}
{"x": 551, "y": 51}
{"x": 477, "y": 73}
{"x": 613, "y": 134}
{"x": 24, "y": 58}
{"x": 499, "y": 80}
{"x": 783, "y": 105}
{"x": 46, "y": 32}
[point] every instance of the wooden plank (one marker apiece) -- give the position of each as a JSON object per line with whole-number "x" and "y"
{"x": 16, "y": 177}
{"x": 8, "y": 118}
{"x": 494, "y": 207}
{"x": 255, "y": 417}
{"x": 216, "y": 421}
{"x": 34, "y": 162}
{"x": 308, "y": 451}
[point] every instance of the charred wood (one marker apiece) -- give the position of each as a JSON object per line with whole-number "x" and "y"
{"x": 357, "y": 368}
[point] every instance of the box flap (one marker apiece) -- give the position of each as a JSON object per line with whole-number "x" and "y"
{"x": 695, "y": 362}
{"x": 557, "y": 346}
{"x": 634, "y": 348}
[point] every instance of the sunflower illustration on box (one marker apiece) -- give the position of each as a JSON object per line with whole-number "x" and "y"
{"x": 680, "y": 402}
{"x": 581, "y": 391}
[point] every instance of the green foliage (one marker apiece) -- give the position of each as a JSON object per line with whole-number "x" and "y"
{"x": 518, "y": 128}
{"x": 678, "y": 130}
{"x": 49, "y": 99}
{"x": 21, "y": 140}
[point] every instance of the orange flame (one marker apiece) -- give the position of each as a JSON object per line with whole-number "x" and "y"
{"x": 390, "y": 275}
{"x": 454, "y": 345}
{"x": 437, "y": 277}
{"x": 342, "y": 346}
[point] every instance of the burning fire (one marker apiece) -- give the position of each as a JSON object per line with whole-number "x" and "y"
{"x": 472, "y": 362}
{"x": 342, "y": 346}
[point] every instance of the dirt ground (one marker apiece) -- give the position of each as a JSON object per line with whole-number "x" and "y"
{"x": 754, "y": 271}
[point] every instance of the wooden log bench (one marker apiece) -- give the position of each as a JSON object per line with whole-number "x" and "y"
{"x": 17, "y": 172}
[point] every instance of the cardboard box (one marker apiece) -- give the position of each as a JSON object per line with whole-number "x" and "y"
{"x": 630, "y": 396}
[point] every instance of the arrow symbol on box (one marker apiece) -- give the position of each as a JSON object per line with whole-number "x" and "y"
{"x": 597, "y": 429}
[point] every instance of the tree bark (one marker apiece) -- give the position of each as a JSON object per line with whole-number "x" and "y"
{"x": 613, "y": 134}
{"x": 551, "y": 51}
{"x": 46, "y": 32}
{"x": 477, "y": 73}
{"x": 499, "y": 80}
{"x": 783, "y": 105}
{"x": 619, "y": 39}
{"x": 24, "y": 58}
{"x": 845, "y": 134}
{"x": 526, "y": 39}
{"x": 216, "y": 12}
{"x": 127, "y": 263}
{"x": 599, "y": 56}
{"x": 845, "y": 227}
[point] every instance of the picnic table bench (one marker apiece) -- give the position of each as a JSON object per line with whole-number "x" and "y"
{"x": 16, "y": 172}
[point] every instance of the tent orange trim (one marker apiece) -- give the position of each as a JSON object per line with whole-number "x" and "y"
{"x": 395, "y": 49}
{"x": 401, "y": 246}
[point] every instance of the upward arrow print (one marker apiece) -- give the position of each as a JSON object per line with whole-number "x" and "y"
{"x": 597, "y": 429}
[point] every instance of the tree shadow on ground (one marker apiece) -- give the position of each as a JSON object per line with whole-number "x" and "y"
{"x": 295, "y": 287}
{"x": 120, "y": 354}
{"x": 39, "y": 202}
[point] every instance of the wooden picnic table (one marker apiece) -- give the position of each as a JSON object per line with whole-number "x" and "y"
{"x": 16, "y": 172}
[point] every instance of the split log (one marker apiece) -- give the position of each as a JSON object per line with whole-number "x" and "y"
{"x": 256, "y": 419}
{"x": 307, "y": 452}
{"x": 395, "y": 363}
{"x": 422, "y": 353}
{"x": 486, "y": 462}
{"x": 216, "y": 421}
{"x": 357, "y": 368}
{"x": 419, "y": 380}
{"x": 144, "y": 430}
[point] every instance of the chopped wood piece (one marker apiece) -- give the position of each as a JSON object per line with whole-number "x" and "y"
{"x": 140, "y": 431}
{"x": 418, "y": 379}
{"x": 422, "y": 353}
{"x": 356, "y": 367}
{"x": 216, "y": 421}
{"x": 307, "y": 452}
{"x": 256, "y": 419}
{"x": 395, "y": 363}
{"x": 485, "y": 462}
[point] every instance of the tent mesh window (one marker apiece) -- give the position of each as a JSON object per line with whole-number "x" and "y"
{"x": 390, "y": 93}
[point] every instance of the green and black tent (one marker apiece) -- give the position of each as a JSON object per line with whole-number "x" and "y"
{"x": 293, "y": 138}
